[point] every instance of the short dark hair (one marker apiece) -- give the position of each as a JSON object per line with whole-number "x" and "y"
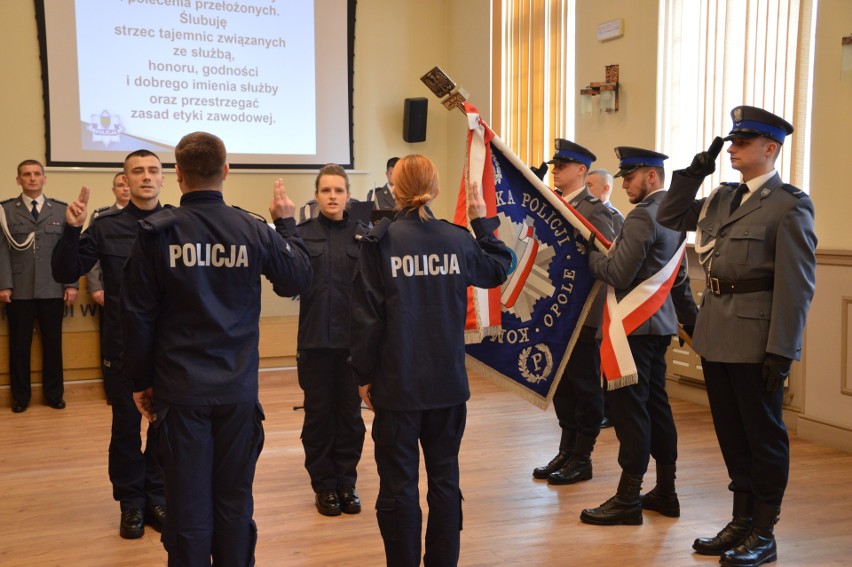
{"x": 392, "y": 162}
{"x": 137, "y": 153}
{"x": 201, "y": 157}
{"x": 30, "y": 162}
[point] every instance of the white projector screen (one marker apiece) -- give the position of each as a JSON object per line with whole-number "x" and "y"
{"x": 272, "y": 78}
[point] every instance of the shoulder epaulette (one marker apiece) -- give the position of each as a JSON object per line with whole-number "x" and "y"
{"x": 159, "y": 221}
{"x": 9, "y": 200}
{"x": 57, "y": 201}
{"x": 793, "y": 190}
{"x": 378, "y": 231}
{"x": 592, "y": 199}
{"x": 261, "y": 218}
{"x": 105, "y": 212}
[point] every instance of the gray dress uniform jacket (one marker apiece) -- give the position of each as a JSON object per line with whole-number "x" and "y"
{"x": 27, "y": 272}
{"x": 594, "y": 211}
{"x": 641, "y": 251}
{"x": 770, "y": 235}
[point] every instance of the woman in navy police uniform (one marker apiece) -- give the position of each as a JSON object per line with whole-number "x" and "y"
{"x": 409, "y": 302}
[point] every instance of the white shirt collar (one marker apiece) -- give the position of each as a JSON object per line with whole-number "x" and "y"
{"x": 29, "y": 202}
{"x": 757, "y": 182}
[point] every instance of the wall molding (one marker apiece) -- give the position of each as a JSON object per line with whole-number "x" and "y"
{"x": 834, "y": 257}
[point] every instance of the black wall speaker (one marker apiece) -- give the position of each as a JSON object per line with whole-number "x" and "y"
{"x": 414, "y": 120}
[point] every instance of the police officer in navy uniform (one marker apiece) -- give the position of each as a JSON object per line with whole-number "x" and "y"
{"x": 28, "y": 288}
{"x": 409, "y": 304}
{"x": 757, "y": 244}
{"x": 641, "y": 413}
{"x": 333, "y": 431}
{"x": 137, "y": 481}
{"x": 579, "y": 398}
{"x": 190, "y": 305}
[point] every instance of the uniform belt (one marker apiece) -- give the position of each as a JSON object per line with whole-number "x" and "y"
{"x": 722, "y": 287}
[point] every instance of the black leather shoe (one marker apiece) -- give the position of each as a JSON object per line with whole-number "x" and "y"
{"x": 575, "y": 470}
{"x": 18, "y": 407}
{"x": 605, "y": 423}
{"x": 56, "y": 404}
{"x": 613, "y": 512}
{"x": 328, "y": 503}
{"x": 349, "y": 501}
{"x": 155, "y": 516}
{"x": 731, "y": 536}
{"x": 132, "y": 526}
{"x": 758, "y": 548}
{"x": 554, "y": 465}
{"x": 665, "y": 504}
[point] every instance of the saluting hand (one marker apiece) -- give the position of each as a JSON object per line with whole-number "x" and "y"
{"x": 475, "y": 201}
{"x": 704, "y": 163}
{"x": 281, "y": 206}
{"x": 75, "y": 213}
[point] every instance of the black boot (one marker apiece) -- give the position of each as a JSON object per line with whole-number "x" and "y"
{"x": 566, "y": 446}
{"x": 663, "y": 498}
{"x": 554, "y": 465}
{"x": 623, "y": 508}
{"x": 734, "y": 533}
{"x": 759, "y": 547}
{"x": 579, "y": 466}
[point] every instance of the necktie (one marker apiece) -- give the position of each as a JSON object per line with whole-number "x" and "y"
{"x": 35, "y": 210}
{"x": 738, "y": 196}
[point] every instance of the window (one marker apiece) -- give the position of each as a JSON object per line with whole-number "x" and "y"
{"x": 718, "y": 54}
{"x": 534, "y": 72}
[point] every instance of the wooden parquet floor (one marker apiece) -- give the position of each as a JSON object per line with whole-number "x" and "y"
{"x": 56, "y": 506}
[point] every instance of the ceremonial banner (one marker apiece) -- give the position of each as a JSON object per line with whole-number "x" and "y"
{"x": 528, "y": 327}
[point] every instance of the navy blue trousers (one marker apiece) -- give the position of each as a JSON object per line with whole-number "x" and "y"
{"x": 137, "y": 480}
{"x": 750, "y": 429}
{"x": 396, "y": 435}
{"x": 641, "y": 413}
{"x": 333, "y": 432}
{"x": 579, "y": 397}
{"x": 209, "y": 455}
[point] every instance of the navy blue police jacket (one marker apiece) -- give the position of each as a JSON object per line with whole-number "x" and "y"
{"x": 324, "y": 308}
{"x": 190, "y": 302}
{"x": 109, "y": 238}
{"x": 409, "y": 304}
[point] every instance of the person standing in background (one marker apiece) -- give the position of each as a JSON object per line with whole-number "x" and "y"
{"x": 28, "y": 288}
{"x": 599, "y": 182}
{"x": 333, "y": 431}
{"x": 383, "y": 196}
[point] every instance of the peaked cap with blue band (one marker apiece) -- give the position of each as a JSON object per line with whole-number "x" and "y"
{"x": 569, "y": 151}
{"x": 751, "y": 122}
{"x": 631, "y": 158}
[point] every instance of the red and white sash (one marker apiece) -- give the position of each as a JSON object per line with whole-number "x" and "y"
{"x": 621, "y": 318}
